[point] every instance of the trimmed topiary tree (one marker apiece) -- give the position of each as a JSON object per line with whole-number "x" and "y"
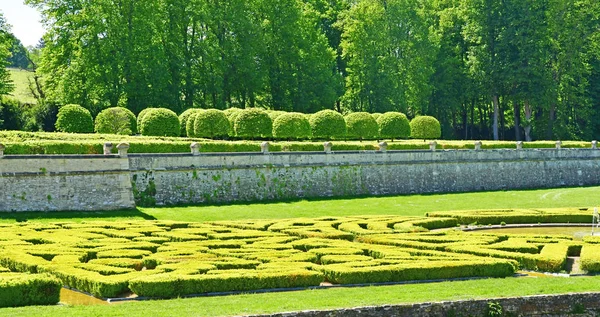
{"x": 183, "y": 120}
{"x": 116, "y": 120}
{"x": 394, "y": 125}
{"x": 274, "y": 114}
{"x": 425, "y": 127}
{"x": 291, "y": 125}
{"x": 74, "y": 119}
{"x": 361, "y": 125}
{"x": 327, "y": 124}
{"x": 376, "y": 115}
{"x": 160, "y": 122}
{"x": 211, "y": 123}
{"x": 231, "y": 114}
{"x": 253, "y": 123}
{"x": 141, "y": 116}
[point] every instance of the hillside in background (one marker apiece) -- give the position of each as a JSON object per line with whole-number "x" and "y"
{"x": 20, "y": 79}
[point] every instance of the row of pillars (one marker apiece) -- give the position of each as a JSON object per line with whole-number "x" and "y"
{"x": 123, "y": 148}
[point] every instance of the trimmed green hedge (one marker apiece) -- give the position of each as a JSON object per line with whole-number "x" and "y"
{"x": 425, "y": 127}
{"x": 212, "y": 124}
{"x": 116, "y": 120}
{"x": 160, "y": 122}
{"x": 328, "y": 124}
{"x": 291, "y": 126}
{"x": 253, "y": 123}
{"x": 361, "y": 125}
{"x": 590, "y": 258}
{"x": 184, "y": 117}
{"x": 518, "y": 216}
{"x": 26, "y": 289}
{"x": 394, "y": 125}
{"x": 141, "y": 116}
{"x": 74, "y": 119}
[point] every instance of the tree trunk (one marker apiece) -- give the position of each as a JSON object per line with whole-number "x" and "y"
{"x": 528, "y": 113}
{"x": 496, "y": 116}
{"x": 517, "y": 111}
{"x": 551, "y": 119}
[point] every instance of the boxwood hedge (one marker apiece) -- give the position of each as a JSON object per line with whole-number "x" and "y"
{"x": 74, "y": 119}
{"x": 211, "y": 123}
{"x": 160, "y": 122}
{"x": 328, "y": 124}
{"x": 361, "y": 125}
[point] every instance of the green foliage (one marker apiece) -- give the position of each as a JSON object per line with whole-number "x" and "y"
{"x": 253, "y": 123}
{"x": 212, "y": 124}
{"x": 328, "y": 124}
{"x": 160, "y": 122}
{"x": 116, "y": 120}
{"x": 183, "y": 121}
{"x": 291, "y": 126}
{"x": 74, "y": 119}
{"x": 37, "y": 289}
{"x": 361, "y": 125}
{"x": 274, "y": 114}
{"x": 376, "y": 115}
{"x": 11, "y": 114}
{"x": 516, "y": 216}
{"x": 394, "y": 125}
{"x": 590, "y": 258}
{"x": 141, "y": 116}
{"x": 425, "y": 127}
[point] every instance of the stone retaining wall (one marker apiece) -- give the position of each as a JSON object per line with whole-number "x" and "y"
{"x": 107, "y": 182}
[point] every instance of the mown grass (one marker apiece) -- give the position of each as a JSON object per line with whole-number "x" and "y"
{"x": 20, "y": 80}
{"x": 413, "y": 205}
{"x": 247, "y": 304}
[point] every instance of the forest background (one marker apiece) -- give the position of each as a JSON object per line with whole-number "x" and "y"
{"x": 487, "y": 69}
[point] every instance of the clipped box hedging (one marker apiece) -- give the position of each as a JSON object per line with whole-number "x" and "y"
{"x": 425, "y": 127}
{"x": 184, "y": 117}
{"x": 116, "y": 120}
{"x": 253, "y": 123}
{"x": 74, "y": 119}
{"x": 361, "y": 125}
{"x": 141, "y": 116}
{"x": 590, "y": 258}
{"x": 160, "y": 122}
{"x": 394, "y": 125}
{"x": 211, "y": 123}
{"x": 328, "y": 124}
{"x": 291, "y": 126}
{"x": 518, "y": 216}
{"x": 28, "y": 289}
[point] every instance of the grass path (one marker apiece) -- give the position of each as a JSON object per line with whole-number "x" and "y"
{"x": 20, "y": 79}
{"x": 415, "y": 205}
{"x": 323, "y": 299}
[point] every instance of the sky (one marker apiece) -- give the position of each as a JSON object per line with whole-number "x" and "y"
{"x": 25, "y": 21}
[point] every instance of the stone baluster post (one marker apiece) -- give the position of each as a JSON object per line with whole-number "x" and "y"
{"x": 327, "y": 147}
{"x": 123, "y": 148}
{"x": 478, "y": 145}
{"x": 519, "y": 145}
{"x": 264, "y": 147}
{"x": 432, "y": 146}
{"x": 558, "y": 145}
{"x": 108, "y": 148}
{"x": 2, "y": 148}
{"x": 594, "y": 145}
{"x": 383, "y": 147}
{"x": 195, "y": 147}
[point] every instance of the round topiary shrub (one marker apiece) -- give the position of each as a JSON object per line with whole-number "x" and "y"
{"x": 394, "y": 125}
{"x": 189, "y": 124}
{"x": 376, "y": 116}
{"x": 116, "y": 120}
{"x": 141, "y": 116}
{"x": 328, "y": 124}
{"x": 211, "y": 123}
{"x": 361, "y": 125}
{"x": 160, "y": 122}
{"x": 425, "y": 127}
{"x": 74, "y": 119}
{"x": 274, "y": 114}
{"x": 253, "y": 123}
{"x": 231, "y": 114}
{"x": 291, "y": 126}
{"x": 184, "y": 118}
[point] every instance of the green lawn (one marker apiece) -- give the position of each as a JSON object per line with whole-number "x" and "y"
{"x": 416, "y": 205}
{"x": 339, "y": 297}
{"x": 323, "y": 299}
{"x": 20, "y": 79}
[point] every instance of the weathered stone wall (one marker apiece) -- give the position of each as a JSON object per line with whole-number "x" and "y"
{"x": 46, "y": 183}
{"x": 55, "y": 183}
{"x": 183, "y": 179}
{"x": 585, "y": 304}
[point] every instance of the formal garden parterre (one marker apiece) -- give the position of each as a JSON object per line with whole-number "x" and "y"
{"x": 165, "y": 259}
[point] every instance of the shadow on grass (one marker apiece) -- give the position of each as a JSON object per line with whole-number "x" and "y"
{"x": 133, "y": 214}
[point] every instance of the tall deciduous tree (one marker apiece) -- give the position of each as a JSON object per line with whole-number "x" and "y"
{"x": 6, "y": 85}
